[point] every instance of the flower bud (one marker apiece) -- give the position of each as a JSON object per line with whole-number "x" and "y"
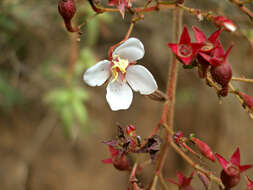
{"x": 224, "y": 22}
{"x": 67, "y": 10}
{"x": 177, "y": 136}
{"x": 247, "y": 100}
{"x": 130, "y": 129}
{"x": 204, "y": 149}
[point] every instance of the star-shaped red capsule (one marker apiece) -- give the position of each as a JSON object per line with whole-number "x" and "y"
{"x": 230, "y": 175}
{"x": 209, "y": 43}
{"x": 184, "y": 183}
{"x": 185, "y": 50}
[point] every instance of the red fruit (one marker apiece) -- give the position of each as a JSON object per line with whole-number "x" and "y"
{"x": 222, "y": 74}
{"x": 67, "y": 10}
{"x": 204, "y": 149}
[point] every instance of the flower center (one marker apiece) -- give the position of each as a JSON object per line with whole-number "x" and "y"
{"x": 119, "y": 67}
{"x": 184, "y": 50}
{"x": 207, "y": 47}
{"x": 232, "y": 170}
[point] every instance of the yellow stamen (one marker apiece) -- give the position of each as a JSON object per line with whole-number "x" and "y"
{"x": 119, "y": 63}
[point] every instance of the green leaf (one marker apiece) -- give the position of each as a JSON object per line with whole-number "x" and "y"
{"x": 79, "y": 111}
{"x": 86, "y": 60}
{"x": 81, "y": 93}
{"x": 9, "y": 96}
{"x": 92, "y": 31}
{"x": 67, "y": 119}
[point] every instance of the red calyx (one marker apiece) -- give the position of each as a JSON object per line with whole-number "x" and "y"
{"x": 230, "y": 175}
{"x": 221, "y": 70}
{"x": 119, "y": 160}
{"x": 204, "y": 149}
{"x": 67, "y": 10}
{"x": 249, "y": 183}
{"x": 209, "y": 45}
{"x": 185, "y": 50}
{"x": 184, "y": 183}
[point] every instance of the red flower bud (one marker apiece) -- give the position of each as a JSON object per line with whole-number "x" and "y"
{"x": 247, "y": 100}
{"x": 230, "y": 175}
{"x": 204, "y": 149}
{"x": 130, "y": 129}
{"x": 177, "y": 136}
{"x": 222, "y": 21}
{"x": 67, "y": 10}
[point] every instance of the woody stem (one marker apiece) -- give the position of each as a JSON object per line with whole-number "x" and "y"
{"x": 167, "y": 115}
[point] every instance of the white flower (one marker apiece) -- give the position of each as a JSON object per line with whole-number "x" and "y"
{"x": 123, "y": 73}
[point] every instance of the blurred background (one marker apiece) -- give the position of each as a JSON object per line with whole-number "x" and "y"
{"x": 52, "y": 124}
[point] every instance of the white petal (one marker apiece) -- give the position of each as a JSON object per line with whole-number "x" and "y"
{"x": 140, "y": 79}
{"x": 98, "y": 73}
{"x": 132, "y": 50}
{"x": 119, "y": 95}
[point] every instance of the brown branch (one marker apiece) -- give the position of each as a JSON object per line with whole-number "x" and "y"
{"x": 196, "y": 166}
{"x": 244, "y": 9}
{"x": 167, "y": 115}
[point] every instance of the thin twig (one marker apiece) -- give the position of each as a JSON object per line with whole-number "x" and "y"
{"x": 242, "y": 8}
{"x": 242, "y": 79}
